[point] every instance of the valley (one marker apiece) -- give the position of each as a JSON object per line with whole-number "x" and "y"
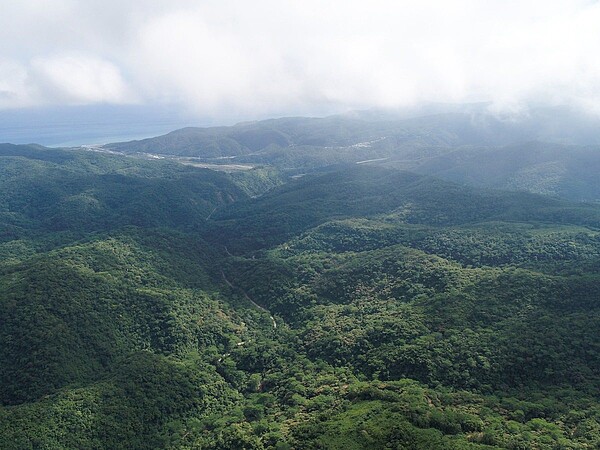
{"x": 147, "y": 303}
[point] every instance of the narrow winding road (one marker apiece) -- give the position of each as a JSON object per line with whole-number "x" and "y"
{"x": 211, "y": 213}
{"x": 247, "y": 297}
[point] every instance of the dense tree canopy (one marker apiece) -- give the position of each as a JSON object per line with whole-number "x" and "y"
{"x": 149, "y": 304}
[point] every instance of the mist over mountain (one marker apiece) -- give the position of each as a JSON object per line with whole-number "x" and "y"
{"x": 551, "y": 151}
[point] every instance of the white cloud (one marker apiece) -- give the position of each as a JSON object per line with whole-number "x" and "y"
{"x": 64, "y": 79}
{"x": 79, "y": 79}
{"x": 273, "y": 57}
{"x": 14, "y": 88}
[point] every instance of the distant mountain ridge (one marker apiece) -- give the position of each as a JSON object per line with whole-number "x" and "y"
{"x": 469, "y": 126}
{"x": 552, "y": 151}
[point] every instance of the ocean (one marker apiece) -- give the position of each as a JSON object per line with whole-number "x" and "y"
{"x": 89, "y": 125}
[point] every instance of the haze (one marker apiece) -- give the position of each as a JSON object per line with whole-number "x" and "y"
{"x": 238, "y": 59}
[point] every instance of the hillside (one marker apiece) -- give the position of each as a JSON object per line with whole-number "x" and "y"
{"x": 48, "y": 190}
{"x": 547, "y": 151}
{"x": 559, "y": 170}
{"x": 395, "y": 196}
{"x": 150, "y": 304}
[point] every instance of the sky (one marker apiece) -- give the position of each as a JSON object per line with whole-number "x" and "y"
{"x": 241, "y": 59}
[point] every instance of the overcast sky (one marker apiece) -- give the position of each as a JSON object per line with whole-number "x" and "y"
{"x": 261, "y": 57}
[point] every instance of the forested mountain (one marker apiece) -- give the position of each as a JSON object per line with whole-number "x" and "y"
{"x": 464, "y": 125}
{"x": 59, "y": 190}
{"x": 146, "y": 303}
{"x": 551, "y": 151}
{"x": 364, "y": 191}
